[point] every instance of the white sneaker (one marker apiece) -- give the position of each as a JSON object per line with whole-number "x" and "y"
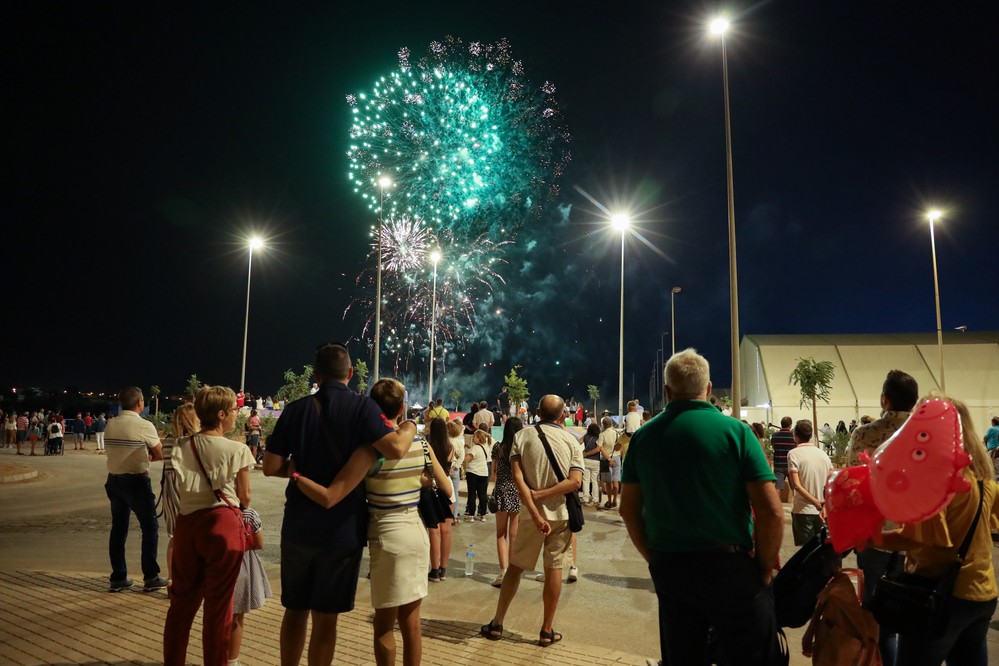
{"x": 573, "y": 574}
{"x": 498, "y": 581}
{"x": 540, "y": 577}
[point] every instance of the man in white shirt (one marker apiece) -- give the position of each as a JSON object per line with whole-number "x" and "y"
{"x": 542, "y": 498}
{"x": 131, "y": 442}
{"x": 809, "y": 467}
{"x": 483, "y": 415}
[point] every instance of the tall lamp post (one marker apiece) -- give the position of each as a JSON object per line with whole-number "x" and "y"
{"x": 719, "y": 27}
{"x": 622, "y": 223}
{"x": 383, "y": 184}
{"x": 672, "y": 319}
{"x": 435, "y": 256}
{"x": 256, "y": 243}
{"x": 934, "y": 216}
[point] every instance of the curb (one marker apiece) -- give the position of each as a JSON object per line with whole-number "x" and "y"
{"x": 23, "y": 476}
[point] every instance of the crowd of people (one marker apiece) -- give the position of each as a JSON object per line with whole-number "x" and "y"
{"x": 49, "y": 429}
{"x": 359, "y": 475}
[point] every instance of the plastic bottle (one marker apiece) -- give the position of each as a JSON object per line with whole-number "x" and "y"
{"x": 470, "y": 560}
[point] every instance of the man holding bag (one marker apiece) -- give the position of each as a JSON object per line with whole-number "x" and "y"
{"x": 543, "y": 499}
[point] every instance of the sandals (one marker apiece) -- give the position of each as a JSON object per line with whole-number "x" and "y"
{"x": 493, "y": 632}
{"x": 549, "y": 638}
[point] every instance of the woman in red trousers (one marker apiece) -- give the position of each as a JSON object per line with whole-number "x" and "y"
{"x": 213, "y": 479}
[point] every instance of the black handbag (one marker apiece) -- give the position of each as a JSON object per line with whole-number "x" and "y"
{"x": 572, "y": 503}
{"x": 492, "y": 504}
{"x": 435, "y": 504}
{"x": 910, "y": 603}
{"x": 797, "y": 585}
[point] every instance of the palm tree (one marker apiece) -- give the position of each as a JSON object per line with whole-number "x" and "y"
{"x": 154, "y": 391}
{"x": 814, "y": 378}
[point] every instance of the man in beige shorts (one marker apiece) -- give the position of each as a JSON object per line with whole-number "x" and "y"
{"x": 543, "y": 501}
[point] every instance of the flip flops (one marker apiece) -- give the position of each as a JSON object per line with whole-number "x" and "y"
{"x": 549, "y": 638}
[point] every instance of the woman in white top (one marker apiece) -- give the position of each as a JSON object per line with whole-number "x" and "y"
{"x": 455, "y": 435}
{"x": 477, "y": 473}
{"x": 213, "y": 479}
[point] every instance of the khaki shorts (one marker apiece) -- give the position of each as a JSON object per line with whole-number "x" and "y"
{"x": 530, "y": 543}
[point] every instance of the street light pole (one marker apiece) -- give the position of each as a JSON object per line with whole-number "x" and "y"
{"x": 382, "y": 184}
{"x": 435, "y": 256}
{"x": 621, "y": 223}
{"x": 255, "y": 244}
{"x": 719, "y": 27}
{"x": 672, "y": 319}
{"x": 933, "y": 216}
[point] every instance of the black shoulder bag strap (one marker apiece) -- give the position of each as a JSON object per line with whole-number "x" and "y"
{"x": 966, "y": 544}
{"x": 551, "y": 456}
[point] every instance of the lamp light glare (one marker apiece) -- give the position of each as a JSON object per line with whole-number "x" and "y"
{"x": 256, "y": 243}
{"x": 718, "y": 26}
{"x": 934, "y": 215}
{"x": 384, "y": 182}
{"x": 435, "y": 256}
{"x": 621, "y": 222}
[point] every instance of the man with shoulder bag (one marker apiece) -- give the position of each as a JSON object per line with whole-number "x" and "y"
{"x": 547, "y": 467}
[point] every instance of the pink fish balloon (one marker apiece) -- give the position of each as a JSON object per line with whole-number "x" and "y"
{"x": 851, "y": 513}
{"x": 918, "y": 470}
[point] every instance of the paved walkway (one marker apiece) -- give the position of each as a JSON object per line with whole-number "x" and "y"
{"x": 70, "y": 618}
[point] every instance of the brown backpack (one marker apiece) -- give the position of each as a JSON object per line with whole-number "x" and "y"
{"x": 841, "y": 633}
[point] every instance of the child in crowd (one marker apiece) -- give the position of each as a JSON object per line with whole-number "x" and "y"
{"x": 252, "y": 586}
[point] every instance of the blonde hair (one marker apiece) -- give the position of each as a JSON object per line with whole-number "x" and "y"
{"x": 210, "y": 401}
{"x": 454, "y": 428}
{"x": 185, "y": 421}
{"x": 481, "y": 437}
{"x": 981, "y": 463}
{"x": 687, "y": 374}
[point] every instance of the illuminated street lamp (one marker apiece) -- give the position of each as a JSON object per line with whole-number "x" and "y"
{"x": 256, "y": 243}
{"x": 435, "y": 257}
{"x": 383, "y": 184}
{"x": 934, "y": 216}
{"x": 622, "y": 223}
{"x": 719, "y": 27}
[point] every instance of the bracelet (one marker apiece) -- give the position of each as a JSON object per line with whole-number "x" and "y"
{"x": 294, "y": 476}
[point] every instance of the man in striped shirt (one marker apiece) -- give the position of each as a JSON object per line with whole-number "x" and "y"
{"x": 131, "y": 442}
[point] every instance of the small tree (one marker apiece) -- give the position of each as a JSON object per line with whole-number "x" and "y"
{"x": 455, "y": 395}
{"x": 193, "y": 386}
{"x": 361, "y": 371}
{"x": 517, "y": 387}
{"x": 594, "y": 396}
{"x": 814, "y": 379}
{"x": 154, "y": 392}
{"x": 296, "y": 386}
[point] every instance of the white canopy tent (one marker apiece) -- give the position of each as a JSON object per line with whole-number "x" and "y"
{"x": 971, "y": 365}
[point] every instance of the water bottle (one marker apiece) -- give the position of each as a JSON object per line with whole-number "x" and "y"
{"x": 470, "y": 560}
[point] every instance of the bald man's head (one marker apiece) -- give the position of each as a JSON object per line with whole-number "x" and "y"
{"x": 551, "y": 408}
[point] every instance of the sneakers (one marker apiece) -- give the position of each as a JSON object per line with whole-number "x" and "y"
{"x": 498, "y": 581}
{"x": 469, "y": 518}
{"x": 434, "y": 576}
{"x": 154, "y": 584}
{"x": 120, "y": 585}
{"x": 540, "y": 577}
{"x": 443, "y": 573}
{"x": 573, "y": 574}
{"x": 482, "y": 519}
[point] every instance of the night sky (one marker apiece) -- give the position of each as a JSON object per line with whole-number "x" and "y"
{"x": 145, "y": 141}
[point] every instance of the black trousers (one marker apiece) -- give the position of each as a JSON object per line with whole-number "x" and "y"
{"x": 718, "y": 592}
{"x": 478, "y": 487}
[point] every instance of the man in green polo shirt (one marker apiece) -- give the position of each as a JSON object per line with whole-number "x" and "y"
{"x": 690, "y": 478}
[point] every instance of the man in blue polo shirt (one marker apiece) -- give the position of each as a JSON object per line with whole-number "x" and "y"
{"x": 321, "y": 548}
{"x": 687, "y": 487}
